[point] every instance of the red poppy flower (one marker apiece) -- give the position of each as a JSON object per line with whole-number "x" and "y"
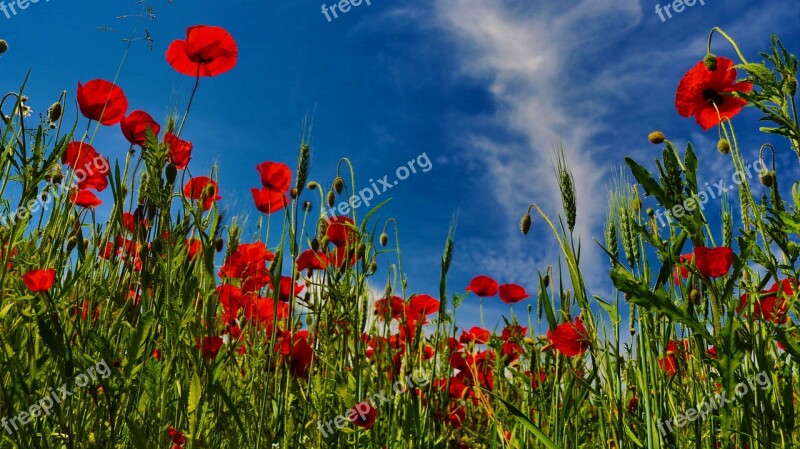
{"x": 275, "y": 176}
{"x": 203, "y": 189}
{"x": 268, "y": 200}
{"x": 130, "y": 224}
{"x": 681, "y": 270}
{"x": 309, "y": 260}
{"x": 514, "y": 332}
{"x": 341, "y": 231}
{"x": 475, "y": 334}
{"x": 102, "y": 101}
{"x": 769, "y": 307}
{"x": 136, "y": 124}
{"x": 176, "y": 436}
{"x": 300, "y": 356}
{"x": 454, "y": 417}
{"x": 536, "y": 379}
{"x": 193, "y": 246}
{"x": 39, "y": 280}
{"x": 207, "y": 51}
{"x": 78, "y": 155}
{"x": 363, "y": 414}
{"x": 570, "y": 339}
{"x": 512, "y": 351}
{"x": 394, "y": 307}
{"x": 180, "y": 151}
{"x": 713, "y": 262}
{"x": 285, "y": 289}
{"x": 702, "y": 92}
{"x": 248, "y": 259}
{"x": 512, "y": 293}
{"x": 96, "y": 180}
{"x": 263, "y": 310}
{"x": 483, "y": 286}
{"x": 211, "y": 346}
{"x": 419, "y": 306}
{"x": 84, "y": 198}
{"x": 669, "y": 365}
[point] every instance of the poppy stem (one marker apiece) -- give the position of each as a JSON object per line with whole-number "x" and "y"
{"x": 733, "y": 43}
{"x": 191, "y": 99}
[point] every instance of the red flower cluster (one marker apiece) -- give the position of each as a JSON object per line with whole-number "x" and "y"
{"x": 772, "y": 305}
{"x": 485, "y": 287}
{"x": 276, "y": 179}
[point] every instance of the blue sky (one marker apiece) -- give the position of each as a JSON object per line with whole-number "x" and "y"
{"x": 484, "y": 88}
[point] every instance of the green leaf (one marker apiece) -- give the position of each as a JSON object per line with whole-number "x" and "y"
{"x": 527, "y": 423}
{"x": 654, "y": 301}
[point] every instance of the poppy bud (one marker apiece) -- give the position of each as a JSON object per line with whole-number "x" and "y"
{"x": 710, "y": 62}
{"x": 54, "y": 113}
{"x": 656, "y": 137}
{"x": 71, "y": 242}
{"x": 3, "y": 46}
{"x": 331, "y": 199}
{"x": 338, "y": 184}
{"x": 695, "y": 296}
{"x": 55, "y": 176}
{"x": 546, "y": 280}
{"x": 293, "y": 193}
{"x": 525, "y": 224}
{"x": 171, "y": 172}
{"x": 373, "y": 266}
{"x": 384, "y": 239}
{"x": 315, "y": 245}
{"x": 767, "y": 178}
{"x": 724, "y": 146}
{"x": 218, "y": 244}
{"x": 791, "y": 87}
{"x": 307, "y": 206}
{"x": 312, "y": 185}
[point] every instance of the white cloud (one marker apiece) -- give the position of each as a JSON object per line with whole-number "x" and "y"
{"x": 525, "y": 54}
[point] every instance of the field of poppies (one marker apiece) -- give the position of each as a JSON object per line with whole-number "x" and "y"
{"x": 170, "y": 326}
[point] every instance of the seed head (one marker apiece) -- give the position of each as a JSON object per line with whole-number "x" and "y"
{"x": 656, "y": 137}
{"x": 384, "y": 239}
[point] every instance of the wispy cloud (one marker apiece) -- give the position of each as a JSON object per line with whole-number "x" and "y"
{"x": 526, "y": 56}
